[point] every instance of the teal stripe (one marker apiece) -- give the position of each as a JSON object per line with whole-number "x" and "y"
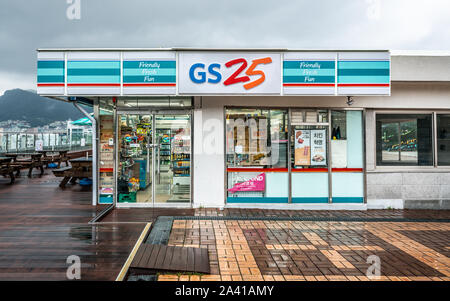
{"x": 364, "y": 65}
{"x": 93, "y": 64}
{"x": 131, "y": 72}
{"x": 309, "y": 200}
{"x": 347, "y": 200}
{"x": 50, "y": 71}
{"x": 304, "y": 79}
{"x": 92, "y": 72}
{"x": 296, "y": 64}
{"x": 363, "y": 79}
{"x": 310, "y": 72}
{"x": 247, "y": 200}
{"x": 50, "y": 64}
{"x": 149, "y": 79}
{"x": 93, "y": 79}
{"x": 363, "y": 72}
{"x": 138, "y": 65}
{"x": 50, "y": 79}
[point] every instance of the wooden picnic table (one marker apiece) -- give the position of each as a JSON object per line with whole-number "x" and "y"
{"x": 80, "y": 168}
{"x": 59, "y": 158}
{"x": 6, "y": 169}
{"x": 33, "y": 160}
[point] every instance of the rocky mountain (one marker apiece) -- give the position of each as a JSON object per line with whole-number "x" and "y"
{"x": 19, "y": 104}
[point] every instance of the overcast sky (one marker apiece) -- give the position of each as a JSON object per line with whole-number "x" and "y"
{"x": 320, "y": 24}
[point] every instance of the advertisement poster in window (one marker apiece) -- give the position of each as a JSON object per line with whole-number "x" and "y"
{"x": 318, "y": 148}
{"x": 302, "y": 147}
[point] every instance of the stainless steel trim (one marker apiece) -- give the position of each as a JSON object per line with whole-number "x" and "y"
{"x": 363, "y": 121}
{"x": 330, "y": 162}
{"x": 289, "y": 154}
{"x": 434, "y": 141}
{"x": 115, "y": 154}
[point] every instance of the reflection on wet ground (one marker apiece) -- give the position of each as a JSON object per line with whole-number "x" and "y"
{"x": 41, "y": 225}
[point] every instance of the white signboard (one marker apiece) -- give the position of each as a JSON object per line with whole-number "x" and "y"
{"x": 302, "y": 147}
{"x": 318, "y": 148}
{"x": 229, "y": 73}
{"x": 39, "y": 145}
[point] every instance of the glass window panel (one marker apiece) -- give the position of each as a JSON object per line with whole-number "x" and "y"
{"x": 443, "y": 139}
{"x": 256, "y": 140}
{"x": 404, "y": 139}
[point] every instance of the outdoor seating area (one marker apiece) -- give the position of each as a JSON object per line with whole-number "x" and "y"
{"x": 11, "y": 164}
{"x": 80, "y": 168}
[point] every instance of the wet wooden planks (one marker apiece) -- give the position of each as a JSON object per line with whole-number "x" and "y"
{"x": 167, "y": 258}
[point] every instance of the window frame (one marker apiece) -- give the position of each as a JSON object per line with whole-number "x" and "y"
{"x": 411, "y": 168}
{"x": 289, "y": 124}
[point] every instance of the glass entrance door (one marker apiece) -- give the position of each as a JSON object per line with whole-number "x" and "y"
{"x": 154, "y": 159}
{"x": 173, "y": 159}
{"x": 135, "y": 153}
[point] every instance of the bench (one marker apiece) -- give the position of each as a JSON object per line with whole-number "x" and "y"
{"x": 60, "y": 171}
{"x": 7, "y": 170}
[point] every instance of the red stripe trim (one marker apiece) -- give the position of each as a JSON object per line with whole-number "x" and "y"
{"x": 308, "y": 85}
{"x": 347, "y": 170}
{"x": 310, "y": 170}
{"x": 257, "y": 169}
{"x": 106, "y": 170}
{"x": 293, "y": 170}
{"x": 50, "y": 85}
{"x": 150, "y": 85}
{"x": 363, "y": 85}
{"x": 93, "y": 85}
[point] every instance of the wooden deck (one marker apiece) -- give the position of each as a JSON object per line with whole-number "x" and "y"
{"x": 152, "y": 258}
{"x": 41, "y": 225}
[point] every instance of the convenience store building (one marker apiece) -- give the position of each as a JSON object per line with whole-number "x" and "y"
{"x": 264, "y": 128}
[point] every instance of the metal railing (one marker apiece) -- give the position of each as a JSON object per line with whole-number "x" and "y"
{"x": 11, "y": 142}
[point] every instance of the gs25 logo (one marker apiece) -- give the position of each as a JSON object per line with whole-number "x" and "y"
{"x": 215, "y": 77}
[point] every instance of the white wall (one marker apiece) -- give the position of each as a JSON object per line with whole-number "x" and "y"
{"x": 209, "y": 166}
{"x": 209, "y": 163}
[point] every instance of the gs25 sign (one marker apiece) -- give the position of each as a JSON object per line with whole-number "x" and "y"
{"x": 226, "y": 73}
{"x": 236, "y": 77}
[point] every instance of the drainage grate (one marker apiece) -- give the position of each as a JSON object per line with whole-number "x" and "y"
{"x": 310, "y": 219}
{"x": 160, "y": 232}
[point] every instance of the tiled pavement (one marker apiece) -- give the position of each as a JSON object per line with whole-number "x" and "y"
{"x": 304, "y": 250}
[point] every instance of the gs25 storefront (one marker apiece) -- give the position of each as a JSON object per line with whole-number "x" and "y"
{"x": 268, "y": 116}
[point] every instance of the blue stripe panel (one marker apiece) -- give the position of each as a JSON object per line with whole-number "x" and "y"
{"x": 150, "y": 72}
{"x": 363, "y": 72}
{"x": 247, "y": 200}
{"x": 347, "y": 184}
{"x": 92, "y": 72}
{"x": 93, "y": 64}
{"x": 50, "y": 71}
{"x": 363, "y": 79}
{"x": 50, "y": 64}
{"x": 50, "y": 79}
{"x": 363, "y": 65}
{"x": 310, "y": 72}
{"x": 308, "y": 65}
{"x": 308, "y": 79}
{"x": 355, "y": 141}
{"x": 309, "y": 200}
{"x": 347, "y": 200}
{"x": 149, "y": 64}
{"x": 149, "y": 79}
{"x": 106, "y": 79}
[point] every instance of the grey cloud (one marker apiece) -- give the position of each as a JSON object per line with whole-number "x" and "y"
{"x": 26, "y": 25}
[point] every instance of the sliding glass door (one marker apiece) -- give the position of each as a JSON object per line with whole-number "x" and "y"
{"x": 154, "y": 155}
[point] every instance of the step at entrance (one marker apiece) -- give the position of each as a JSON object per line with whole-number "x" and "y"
{"x": 151, "y": 258}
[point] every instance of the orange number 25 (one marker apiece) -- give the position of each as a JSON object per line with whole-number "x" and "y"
{"x": 251, "y": 71}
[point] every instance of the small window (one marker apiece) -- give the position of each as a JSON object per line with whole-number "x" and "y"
{"x": 443, "y": 140}
{"x": 404, "y": 139}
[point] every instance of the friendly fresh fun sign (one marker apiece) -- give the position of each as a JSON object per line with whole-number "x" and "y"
{"x": 211, "y": 72}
